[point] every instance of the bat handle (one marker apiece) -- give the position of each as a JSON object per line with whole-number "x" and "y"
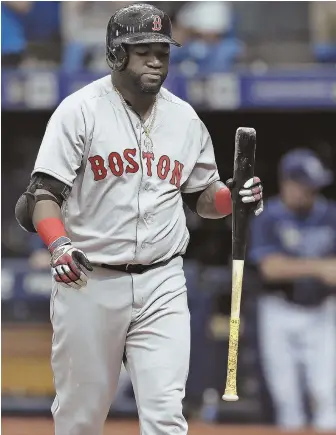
{"x": 228, "y": 397}
{"x": 230, "y": 394}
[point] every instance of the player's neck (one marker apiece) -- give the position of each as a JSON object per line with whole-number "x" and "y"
{"x": 141, "y": 102}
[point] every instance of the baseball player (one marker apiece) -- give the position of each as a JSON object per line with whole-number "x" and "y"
{"x": 293, "y": 245}
{"x": 117, "y": 160}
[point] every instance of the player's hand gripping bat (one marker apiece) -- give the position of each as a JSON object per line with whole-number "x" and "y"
{"x": 245, "y": 145}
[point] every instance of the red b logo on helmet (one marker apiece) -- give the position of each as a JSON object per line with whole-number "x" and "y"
{"x": 157, "y": 25}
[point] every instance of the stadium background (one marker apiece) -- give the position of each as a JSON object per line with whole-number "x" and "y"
{"x": 267, "y": 65}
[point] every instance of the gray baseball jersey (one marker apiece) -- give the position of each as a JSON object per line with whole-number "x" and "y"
{"x": 125, "y": 204}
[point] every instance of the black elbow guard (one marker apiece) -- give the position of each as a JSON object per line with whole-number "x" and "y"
{"x": 25, "y": 205}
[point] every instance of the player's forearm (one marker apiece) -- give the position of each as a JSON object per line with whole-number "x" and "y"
{"x": 45, "y": 209}
{"x": 47, "y": 220}
{"x": 279, "y": 267}
{"x": 214, "y": 202}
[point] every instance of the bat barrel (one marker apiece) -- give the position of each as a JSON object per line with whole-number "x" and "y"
{"x": 245, "y": 146}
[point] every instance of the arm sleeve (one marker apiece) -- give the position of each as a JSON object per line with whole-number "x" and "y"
{"x": 205, "y": 170}
{"x": 263, "y": 239}
{"x": 62, "y": 147}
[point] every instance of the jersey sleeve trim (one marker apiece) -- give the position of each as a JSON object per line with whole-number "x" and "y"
{"x": 53, "y": 174}
{"x": 198, "y": 188}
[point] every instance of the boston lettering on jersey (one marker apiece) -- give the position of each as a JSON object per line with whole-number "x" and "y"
{"x": 119, "y": 165}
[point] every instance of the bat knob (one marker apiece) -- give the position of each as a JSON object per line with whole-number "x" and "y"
{"x": 230, "y": 397}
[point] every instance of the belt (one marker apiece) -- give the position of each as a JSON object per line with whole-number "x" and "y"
{"x": 136, "y": 268}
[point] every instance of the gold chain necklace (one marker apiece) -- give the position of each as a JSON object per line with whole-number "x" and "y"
{"x": 148, "y": 141}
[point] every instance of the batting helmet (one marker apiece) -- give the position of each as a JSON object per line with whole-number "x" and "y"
{"x": 135, "y": 24}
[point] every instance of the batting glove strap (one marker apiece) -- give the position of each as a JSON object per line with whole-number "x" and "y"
{"x": 67, "y": 264}
{"x": 58, "y": 242}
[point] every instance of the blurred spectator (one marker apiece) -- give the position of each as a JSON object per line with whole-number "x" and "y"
{"x": 206, "y": 30}
{"x": 43, "y": 33}
{"x": 84, "y": 33}
{"x": 323, "y": 30}
{"x": 30, "y": 33}
{"x": 293, "y": 244}
{"x": 43, "y": 20}
{"x": 13, "y": 36}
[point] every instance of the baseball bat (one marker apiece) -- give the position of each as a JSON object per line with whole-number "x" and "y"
{"x": 244, "y": 157}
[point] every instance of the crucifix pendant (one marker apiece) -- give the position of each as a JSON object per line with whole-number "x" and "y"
{"x": 148, "y": 144}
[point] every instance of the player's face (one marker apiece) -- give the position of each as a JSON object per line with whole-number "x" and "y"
{"x": 297, "y": 196}
{"x": 148, "y": 66}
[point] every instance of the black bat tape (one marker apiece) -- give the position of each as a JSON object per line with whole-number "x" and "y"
{"x": 246, "y": 130}
{"x": 245, "y": 138}
{"x": 245, "y": 145}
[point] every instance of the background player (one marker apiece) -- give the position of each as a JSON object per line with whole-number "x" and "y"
{"x": 105, "y": 197}
{"x": 294, "y": 246}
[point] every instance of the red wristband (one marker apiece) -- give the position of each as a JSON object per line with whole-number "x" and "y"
{"x": 50, "y": 229}
{"x": 223, "y": 201}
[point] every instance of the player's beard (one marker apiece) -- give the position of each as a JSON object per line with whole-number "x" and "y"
{"x": 136, "y": 82}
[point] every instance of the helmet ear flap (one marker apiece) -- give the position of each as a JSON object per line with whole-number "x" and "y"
{"x": 116, "y": 57}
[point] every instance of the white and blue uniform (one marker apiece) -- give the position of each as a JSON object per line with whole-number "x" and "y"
{"x": 297, "y": 321}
